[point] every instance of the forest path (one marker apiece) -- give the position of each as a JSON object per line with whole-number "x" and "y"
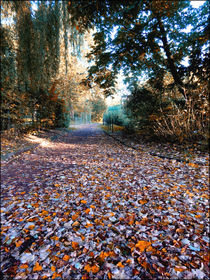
{"x": 82, "y": 204}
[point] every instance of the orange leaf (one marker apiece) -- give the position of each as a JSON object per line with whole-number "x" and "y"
{"x": 88, "y": 225}
{"x": 18, "y": 243}
{"x": 198, "y": 216}
{"x": 144, "y": 264}
{"x": 91, "y": 254}
{"x": 53, "y": 268}
{"x": 131, "y": 222}
{"x": 31, "y": 227}
{"x": 143, "y": 201}
{"x": 55, "y": 275}
{"x": 66, "y": 258}
{"x": 74, "y": 217}
{"x": 95, "y": 269}
{"x": 180, "y": 268}
{"x": 109, "y": 275}
{"x": 44, "y": 212}
{"x": 83, "y": 201}
{"x": 142, "y": 245}
{"x": 120, "y": 264}
{"x": 23, "y": 266}
{"x": 54, "y": 238}
{"x": 102, "y": 256}
{"x": 74, "y": 245}
{"x": 87, "y": 211}
{"x": 37, "y": 267}
{"x": 111, "y": 254}
{"x": 87, "y": 268}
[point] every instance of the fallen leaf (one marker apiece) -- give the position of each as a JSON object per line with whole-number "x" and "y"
{"x": 66, "y": 258}
{"x": 37, "y": 267}
{"x": 142, "y": 245}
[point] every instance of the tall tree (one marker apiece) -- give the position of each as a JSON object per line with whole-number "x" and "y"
{"x": 137, "y": 36}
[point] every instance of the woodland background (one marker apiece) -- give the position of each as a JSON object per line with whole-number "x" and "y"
{"x": 61, "y": 59}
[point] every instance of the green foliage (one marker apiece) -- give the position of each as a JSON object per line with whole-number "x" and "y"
{"x": 115, "y": 115}
{"x": 30, "y": 53}
{"x": 140, "y": 105}
{"x": 148, "y": 37}
{"x": 98, "y": 106}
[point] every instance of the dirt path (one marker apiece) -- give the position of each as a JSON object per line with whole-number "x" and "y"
{"x": 82, "y": 206}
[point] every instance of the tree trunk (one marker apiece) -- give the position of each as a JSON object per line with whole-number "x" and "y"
{"x": 170, "y": 60}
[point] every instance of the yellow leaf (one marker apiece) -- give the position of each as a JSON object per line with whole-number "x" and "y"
{"x": 37, "y": 267}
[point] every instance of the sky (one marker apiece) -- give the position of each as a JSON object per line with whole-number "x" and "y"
{"x": 196, "y": 4}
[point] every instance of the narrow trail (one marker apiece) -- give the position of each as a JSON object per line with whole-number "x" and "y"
{"x": 83, "y": 206}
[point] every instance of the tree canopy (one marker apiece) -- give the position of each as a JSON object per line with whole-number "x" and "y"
{"x": 140, "y": 37}
{"x": 165, "y": 43}
{"x": 40, "y": 54}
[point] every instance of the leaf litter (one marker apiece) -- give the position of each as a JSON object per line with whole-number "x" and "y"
{"x": 87, "y": 207}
